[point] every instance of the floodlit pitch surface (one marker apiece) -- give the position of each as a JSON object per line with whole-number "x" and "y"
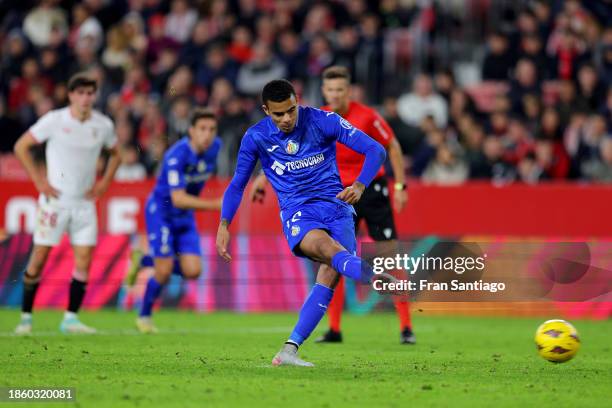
{"x": 222, "y": 359}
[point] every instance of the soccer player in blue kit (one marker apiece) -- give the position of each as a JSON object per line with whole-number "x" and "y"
{"x": 169, "y": 213}
{"x": 297, "y": 148}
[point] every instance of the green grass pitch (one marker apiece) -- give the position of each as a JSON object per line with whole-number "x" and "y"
{"x": 223, "y": 360}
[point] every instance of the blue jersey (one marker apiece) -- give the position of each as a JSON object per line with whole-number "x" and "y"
{"x": 183, "y": 169}
{"x": 301, "y": 165}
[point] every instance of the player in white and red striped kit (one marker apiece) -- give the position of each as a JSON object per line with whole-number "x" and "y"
{"x": 75, "y": 137}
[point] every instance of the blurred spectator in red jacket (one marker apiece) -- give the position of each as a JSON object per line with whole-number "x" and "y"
{"x": 20, "y": 88}
{"x": 240, "y": 49}
{"x": 551, "y": 157}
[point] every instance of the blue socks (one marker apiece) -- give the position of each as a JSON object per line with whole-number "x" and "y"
{"x": 154, "y": 288}
{"x": 151, "y": 294}
{"x": 312, "y": 312}
{"x": 315, "y": 306}
{"x": 146, "y": 261}
{"x": 352, "y": 266}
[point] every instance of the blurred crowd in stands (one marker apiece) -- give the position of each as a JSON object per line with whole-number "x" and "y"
{"x": 539, "y": 106}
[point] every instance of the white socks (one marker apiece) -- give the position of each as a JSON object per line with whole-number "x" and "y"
{"x": 69, "y": 315}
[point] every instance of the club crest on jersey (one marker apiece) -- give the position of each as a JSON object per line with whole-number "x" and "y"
{"x": 292, "y": 147}
{"x": 95, "y": 133}
{"x": 201, "y": 166}
{"x": 295, "y": 230}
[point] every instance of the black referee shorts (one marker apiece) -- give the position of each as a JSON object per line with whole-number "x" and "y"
{"x": 375, "y": 207}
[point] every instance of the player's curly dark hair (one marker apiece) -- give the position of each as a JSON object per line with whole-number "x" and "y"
{"x": 277, "y": 90}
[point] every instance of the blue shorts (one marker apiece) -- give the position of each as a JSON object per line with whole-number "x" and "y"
{"x": 334, "y": 217}
{"x": 170, "y": 236}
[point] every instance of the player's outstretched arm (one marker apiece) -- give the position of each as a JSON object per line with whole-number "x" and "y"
{"x": 181, "y": 199}
{"x": 247, "y": 158}
{"x": 22, "y": 151}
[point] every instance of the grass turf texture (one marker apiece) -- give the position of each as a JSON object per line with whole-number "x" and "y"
{"x": 224, "y": 359}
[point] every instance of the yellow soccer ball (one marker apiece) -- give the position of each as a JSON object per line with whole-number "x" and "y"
{"x": 557, "y": 341}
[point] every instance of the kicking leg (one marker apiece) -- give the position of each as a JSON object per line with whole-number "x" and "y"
{"x": 31, "y": 279}
{"x": 319, "y": 246}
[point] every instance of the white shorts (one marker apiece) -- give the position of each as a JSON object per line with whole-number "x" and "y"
{"x": 78, "y": 218}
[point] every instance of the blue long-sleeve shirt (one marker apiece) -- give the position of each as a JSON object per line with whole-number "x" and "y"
{"x": 301, "y": 165}
{"x": 183, "y": 169}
